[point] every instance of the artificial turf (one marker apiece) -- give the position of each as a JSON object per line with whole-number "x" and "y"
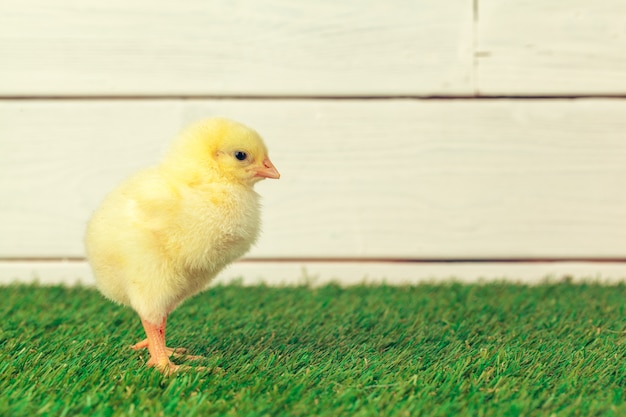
{"x": 428, "y": 350}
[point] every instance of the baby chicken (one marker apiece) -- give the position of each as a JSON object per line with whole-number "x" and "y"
{"x": 164, "y": 233}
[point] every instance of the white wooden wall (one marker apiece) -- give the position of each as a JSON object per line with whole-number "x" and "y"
{"x": 409, "y": 133}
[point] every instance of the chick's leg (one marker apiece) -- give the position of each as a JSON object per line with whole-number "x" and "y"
{"x": 179, "y": 351}
{"x": 170, "y": 351}
{"x": 159, "y": 356}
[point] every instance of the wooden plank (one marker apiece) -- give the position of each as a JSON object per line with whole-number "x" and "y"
{"x": 260, "y": 47}
{"x": 436, "y": 179}
{"x": 551, "y": 47}
{"x": 347, "y": 273}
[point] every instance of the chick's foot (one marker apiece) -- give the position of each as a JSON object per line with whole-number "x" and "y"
{"x": 170, "y": 368}
{"x": 155, "y": 343}
{"x": 170, "y": 351}
{"x": 178, "y": 352}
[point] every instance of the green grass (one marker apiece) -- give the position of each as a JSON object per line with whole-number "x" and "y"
{"x": 428, "y": 350}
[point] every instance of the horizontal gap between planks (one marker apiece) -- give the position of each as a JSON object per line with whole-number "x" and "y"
{"x": 360, "y": 260}
{"x": 309, "y": 97}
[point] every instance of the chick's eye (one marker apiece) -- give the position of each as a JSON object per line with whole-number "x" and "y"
{"x": 241, "y": 156}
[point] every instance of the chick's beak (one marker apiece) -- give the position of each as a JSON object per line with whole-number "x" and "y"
{"x": 268, "y": 170}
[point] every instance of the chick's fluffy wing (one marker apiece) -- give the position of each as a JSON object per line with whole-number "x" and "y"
{"x": 152, "y": 203}
{"x": 138, "y": 215}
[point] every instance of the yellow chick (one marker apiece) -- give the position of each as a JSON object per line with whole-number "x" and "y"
{"x": 165, "y": 232}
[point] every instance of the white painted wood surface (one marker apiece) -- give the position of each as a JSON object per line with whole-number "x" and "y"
{"x": 362, "y": 179}
{"x": 276, "y": 47}
{"x": 391, "y": 179}
{"x": 268, "y": 47}
{"x": 551, "y": 47}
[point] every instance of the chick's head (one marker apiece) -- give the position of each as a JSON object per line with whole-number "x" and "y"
{"x": 216, "y": 149}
